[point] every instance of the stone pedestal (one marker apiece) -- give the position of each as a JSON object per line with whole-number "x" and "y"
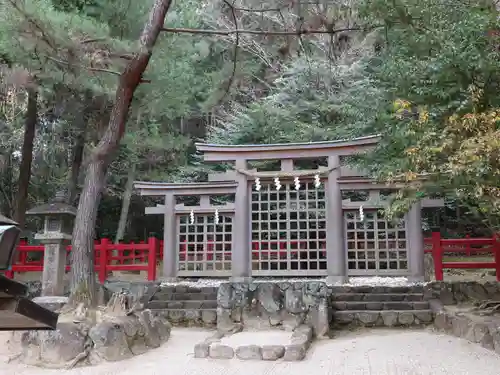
{"x": 52, "y": 303}
{"x": 54, "y": 267}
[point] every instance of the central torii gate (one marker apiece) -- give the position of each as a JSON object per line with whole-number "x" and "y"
{"x": 347, "y": 249}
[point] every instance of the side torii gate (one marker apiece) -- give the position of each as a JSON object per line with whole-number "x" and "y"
{"x": 289, "y": 222}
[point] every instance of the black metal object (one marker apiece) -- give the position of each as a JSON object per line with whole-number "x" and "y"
{"x": 9, "y": 237}
{"x": 18, "y": 313}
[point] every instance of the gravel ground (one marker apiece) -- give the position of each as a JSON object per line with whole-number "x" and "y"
{"x": 371, "y": 281}
{"x": 357, "y": 353}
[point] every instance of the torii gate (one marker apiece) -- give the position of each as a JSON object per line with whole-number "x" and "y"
{"x": 335, "y": 245}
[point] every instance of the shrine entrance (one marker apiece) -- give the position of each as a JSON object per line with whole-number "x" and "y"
{"x": 288, "y": 229}
{"x": 325, "y": 221}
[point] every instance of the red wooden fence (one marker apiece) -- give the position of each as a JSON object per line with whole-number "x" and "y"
{"x": 440, "y": 247}
{"x": 108, "y": 257}
{"x": 144, "y": 256}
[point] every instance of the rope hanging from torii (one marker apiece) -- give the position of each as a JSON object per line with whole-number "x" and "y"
{"x": 321, "y": 171}
{"x": 216, "y": 217}
{"x": 296, "y": 180}
{"x": 317, "y": 173}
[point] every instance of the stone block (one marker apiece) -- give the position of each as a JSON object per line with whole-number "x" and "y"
{"x": 420, "y": 305}
{"x": 362, "y": 289}
{"x": 406, "y": 318}
{"x": 219, "y": 351}
{"x": 367, "y": 318}
{"x": 207, "y": 304}
{"x": 249, "y": 352}
{"x": 398, "y": 305}
{"x": 294, "y": 352}
{"x": 374, "y": 305}
{"x": 343, "y": 317}
{"x": 414, "y": 297}
{"x": 345, "y": 297}
{"x": 390, "y": 318}
{"x": 193, "y": 305}
{"x": 201, "y": 350}
{"x": 175, "y": 305}
{"x": 352, "y": 305}
{"x": 53, "y": 303}
{"x": 272, "y": 352}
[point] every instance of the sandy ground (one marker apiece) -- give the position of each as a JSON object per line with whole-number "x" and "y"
{"x": 355, "y": 353}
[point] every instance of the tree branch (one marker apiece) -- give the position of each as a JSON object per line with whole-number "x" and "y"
{"x": 256, "y": 32}
{"x": 261, "y": 10}
{"x": 91, "y": 69}
{"x": 235, "y": 54}
{"x": 37, "y": 26}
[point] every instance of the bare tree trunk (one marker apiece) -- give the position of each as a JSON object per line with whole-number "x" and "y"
{"x": 127, "y": 196}
{"x": 30, "y": 121}
{"x": 82, "y": 272}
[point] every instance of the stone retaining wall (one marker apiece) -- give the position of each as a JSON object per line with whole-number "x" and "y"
{"x": 288, "y": 304}
{"x": 452, "y": 293}
{"x": 273, "y": 305}
{"x": 482, "y": 330}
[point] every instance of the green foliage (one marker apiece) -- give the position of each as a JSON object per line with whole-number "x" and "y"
{"x": 74, "y": 51}
{"x": 439, "y": 72}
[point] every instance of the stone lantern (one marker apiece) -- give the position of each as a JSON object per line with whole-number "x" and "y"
{"x": 56, "y": 234}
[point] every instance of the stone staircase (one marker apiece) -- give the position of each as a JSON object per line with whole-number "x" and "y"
{"x": 185, "y": 305}
{"x": 379, "y": 306}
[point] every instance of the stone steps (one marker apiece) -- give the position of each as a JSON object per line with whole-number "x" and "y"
{"x": 189, "y": 317}
{"x": 383, "y": 318}
{"x": 368, "y": 289}
{"x": 380, "y": 305}
{"x": 378, "y": 297}
{"x": 174, "y": 296}
{"x": 185, "y": 305}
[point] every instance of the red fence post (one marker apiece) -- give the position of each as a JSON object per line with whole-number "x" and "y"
{"x": 496, "y": 253}
{"x": 467, "y": 246}
{"x": 437, "y": 254}
{"x": 153, "y": 247}
{"x": 103, "y": 260}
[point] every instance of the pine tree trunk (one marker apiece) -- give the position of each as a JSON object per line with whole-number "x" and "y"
{"x": 82, "y": 272}
{"x": 30, "y": 121}
{"x": 83, "y": 283}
